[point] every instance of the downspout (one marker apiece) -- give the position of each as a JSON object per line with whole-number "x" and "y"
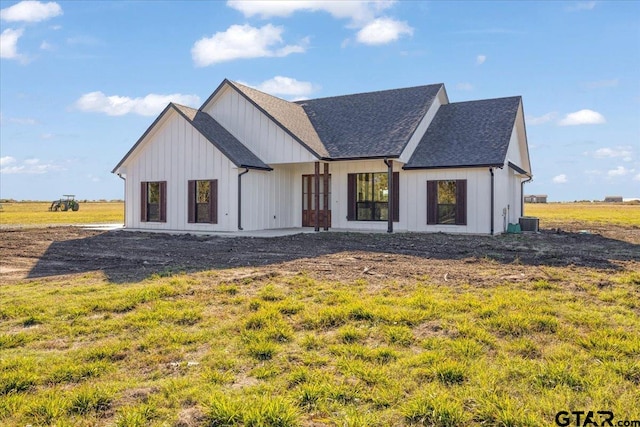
{"x": 492, "y": 197}
{"x": 522, "y": 183}
{"x": 124, "y": 208}
{"x": 390, "y": 200}
{"x": 246, "y": 170}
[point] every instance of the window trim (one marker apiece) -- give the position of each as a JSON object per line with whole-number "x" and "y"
{"x": 144, "y": 201}
{"x": 352, "y": 188}
{"x": 192, "y": 201}
{"x": 461, "y": 202}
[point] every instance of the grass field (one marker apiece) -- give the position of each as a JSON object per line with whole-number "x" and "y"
{"x": 239, "y": 347}
{"x": 553, "y": 215}
{"x": 37, "y": 213}
{"x": 292, "y": 350}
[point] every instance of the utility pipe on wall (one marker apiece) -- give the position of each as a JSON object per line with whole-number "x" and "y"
{"x": 246, "y": 170}
{"x": 522, "y": 183}
{"x": 492, "y": 197}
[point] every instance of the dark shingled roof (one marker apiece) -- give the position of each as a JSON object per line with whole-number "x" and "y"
{"x": 462, "y": 134}
{"x": 374, "y": 124}
{"x": 233, "y": 149}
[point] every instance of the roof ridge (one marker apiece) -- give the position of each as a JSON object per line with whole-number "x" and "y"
{"x": 485, "y": 99}
{"x": 367, "y": 93}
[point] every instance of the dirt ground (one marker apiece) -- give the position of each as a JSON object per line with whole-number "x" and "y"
{"x": 125, "y": 256}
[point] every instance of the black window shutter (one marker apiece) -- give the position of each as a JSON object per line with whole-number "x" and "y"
{"x": 351, "y": 197}
{"x": 461, "y": 202}
{"x": 191, "y": 200}
{"x": 143, "y": 201}
{"x": 213, "y": 201}
{"x": 395, "y": 209}
{"x": 432, "y": 202}
{"x": 163, "y": 201}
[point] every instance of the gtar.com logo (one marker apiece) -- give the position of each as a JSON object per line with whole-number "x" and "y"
{"x": 584, "y": 418}
{"x": 591, "y": 418}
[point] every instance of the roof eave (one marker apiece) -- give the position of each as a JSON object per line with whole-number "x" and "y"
{"x": 218, "y": 146}
{"x": 475, "y": 166}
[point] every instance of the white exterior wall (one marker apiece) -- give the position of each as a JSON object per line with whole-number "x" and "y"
{"x": 440, "y": 99}
{"x": 256, "y": 131}
{"x": 271, "y": 199}
{"x": 177, "y": 153}
{"x": 413, "y": 199}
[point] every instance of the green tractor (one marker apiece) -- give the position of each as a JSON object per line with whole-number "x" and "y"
{"x": 68, "y": 204}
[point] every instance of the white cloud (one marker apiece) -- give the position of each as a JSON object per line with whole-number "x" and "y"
{"x": 582, "y": 5}
{"x": 531, "y": 120}
{"x": 464, "y": 86}
{"x": 560, "y": 179}
{"x": 602, "y": 84}
{"x": 480, "y": 59}
{"x": 241, "y": 42}
{"x": 382, "y": 31}
{"x": 30, "y": 11}
{"x": 582, "y": 117}
{"x": 46, "y": 45}
{"x": 637, "y": 177}
{"x": 9, "y": 43}
{"x": 356, "y": 11}
{"x": 619, "y": 171}
{"x": 47, "y": 136}
{"x": 9, "y": 165}
{"x": 288, "y": 86}
{"x": 115, "y": 105}
{"x": 7, "y": 160}
{"x": 624, "y": 152}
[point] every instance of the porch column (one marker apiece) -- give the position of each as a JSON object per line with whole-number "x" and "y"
{"x": 325, "y": 177}
{"x": 390, "y": 200}
{"x": 316, "y": 196}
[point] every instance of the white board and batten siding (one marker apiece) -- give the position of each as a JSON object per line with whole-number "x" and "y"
{"x": 413, "y": 199}
{"x": 176, "y": 153}
{"x": 255, "y": 130}
{"x": 269, "y": 199}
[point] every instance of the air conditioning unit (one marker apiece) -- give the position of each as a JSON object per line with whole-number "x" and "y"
{"x": 529, "y": 223}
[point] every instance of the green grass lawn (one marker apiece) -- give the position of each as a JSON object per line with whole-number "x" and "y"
{"x": 292, "y": 350}
{"x": 38, "y": 214}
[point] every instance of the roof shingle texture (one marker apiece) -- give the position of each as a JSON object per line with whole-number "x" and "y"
{"x": 233, "y": 149}
{"x": 290, "y": 115}
{"x": 473, "y": 133}
{"x": 374, "y": 124}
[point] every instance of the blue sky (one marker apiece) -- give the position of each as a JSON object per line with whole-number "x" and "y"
{"x": 80, "y": 81}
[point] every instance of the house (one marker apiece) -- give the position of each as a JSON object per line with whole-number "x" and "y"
{"x": 402, "y": 159}
{"x": 535, "y": 198}
{"x": 613, "y": 199}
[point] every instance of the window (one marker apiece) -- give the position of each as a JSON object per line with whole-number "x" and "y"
{"x": 447, "y": 202}
{"x": 203, "y": 201}
{"x": 368, "y": 197}
{"x": 153, "y": 201}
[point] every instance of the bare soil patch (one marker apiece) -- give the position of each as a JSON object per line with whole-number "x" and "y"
{"x": 123, "y": 256}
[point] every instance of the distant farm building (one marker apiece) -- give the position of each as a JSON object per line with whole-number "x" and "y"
{"x": 613, "y": 199}
{"x": 535, "y": 198}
